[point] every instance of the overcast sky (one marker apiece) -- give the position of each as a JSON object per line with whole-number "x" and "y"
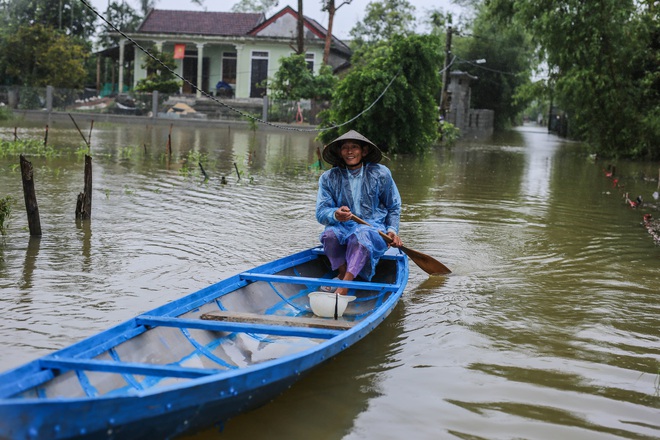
{"x": 345, "y": 19}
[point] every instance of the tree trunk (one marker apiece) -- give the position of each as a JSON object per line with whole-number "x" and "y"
{"x": 301, "y": 35}
{"x": 328, "y": 36}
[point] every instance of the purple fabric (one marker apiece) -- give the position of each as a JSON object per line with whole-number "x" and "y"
{"x": 352, "y": 253}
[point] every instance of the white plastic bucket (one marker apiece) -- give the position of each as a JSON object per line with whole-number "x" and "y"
{"x": 324, "y": 304}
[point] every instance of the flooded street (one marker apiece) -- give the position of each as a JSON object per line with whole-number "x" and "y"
{"x": 548, "y": 327}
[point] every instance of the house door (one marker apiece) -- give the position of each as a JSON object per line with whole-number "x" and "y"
{"x": 190, "y": 74}
{"x": 259, "y": 74}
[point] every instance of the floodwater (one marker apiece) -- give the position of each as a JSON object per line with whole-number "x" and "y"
{"x": 547, "y": 328}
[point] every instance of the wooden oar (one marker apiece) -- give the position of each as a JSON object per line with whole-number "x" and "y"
{"x": 427, "y": 263}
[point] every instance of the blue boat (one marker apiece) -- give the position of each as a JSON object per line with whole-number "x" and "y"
{"x": 197, "y": 361}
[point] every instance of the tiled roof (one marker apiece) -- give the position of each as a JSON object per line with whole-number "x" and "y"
{"x": 200, "y": 22}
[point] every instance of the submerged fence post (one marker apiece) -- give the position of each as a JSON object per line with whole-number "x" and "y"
{"x": 264, "y": 109}
{"x": 84, "y": 202}
{"x": 49, "y": 99}
{"x": 154, "y": 105}
{"x": 31, "y": 206}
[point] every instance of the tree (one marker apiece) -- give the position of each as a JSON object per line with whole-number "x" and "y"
{"x": 405, "y": 118}
{"x": 37, "y": 56}
{"x": 123, "y": 17}
{"x": 71, "y": 17}
{"x": 506, "y": 74}
{"x": 159, "y": 76}
{"x": 383, "y": 20}
{"x": 329, "y": 5}
{"x": 600, "y": 54}
{"x": 294, "y": 81}
{"x": 255, "y": 6}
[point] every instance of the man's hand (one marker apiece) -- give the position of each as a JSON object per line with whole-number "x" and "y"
{"x": 396, "y": 241}
{"x": 343, "y": 214}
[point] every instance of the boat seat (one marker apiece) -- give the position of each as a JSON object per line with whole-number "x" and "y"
{"x": 290, "y": 321}
{"x": 316, "y": 282}
{"x": 266, "y": 326}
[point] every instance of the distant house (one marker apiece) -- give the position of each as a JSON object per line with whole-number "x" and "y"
{"x": 471, "y": 122}
{"x": 238, "y": 49}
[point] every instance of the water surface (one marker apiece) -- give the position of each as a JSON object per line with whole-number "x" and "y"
{"x": 546, "y": 329}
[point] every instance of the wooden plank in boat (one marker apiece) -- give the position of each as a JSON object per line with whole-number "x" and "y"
{"x": 291, "y": 321}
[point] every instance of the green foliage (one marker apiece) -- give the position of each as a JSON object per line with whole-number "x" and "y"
{"x": 449, "y": 133}
{"x": 503, "y": 78}
{"x": 159, "y": 76}
{"x": 255, "y": 6}
{"x": 32, "y": 147}
{"x": 294, "y": 81}
{"x": 69, "y": 17}
{"x": 5, "y": 213}
{"x": 5, "y": 113}
{"x": 603, "y": 59}
{"x": 123, "y": 17}
{"x": 383, "y": 20}
{"x": 37, "y": 55}
{"x": 404, "y": 120}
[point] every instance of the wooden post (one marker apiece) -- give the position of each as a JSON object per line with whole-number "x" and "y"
{"x": 169, "y": 142}
{"x": 237, "y": 173}
{"x": 15, "y": 134}
{"x": 46, "y": 137}
{"x": 84, "y": 202}
{"x": 30, "y": 197}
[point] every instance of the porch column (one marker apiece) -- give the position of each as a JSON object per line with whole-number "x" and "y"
{"x": 121, "y": 66}
{"x": 242, "y": 65}
{"x": 200, "y": 68}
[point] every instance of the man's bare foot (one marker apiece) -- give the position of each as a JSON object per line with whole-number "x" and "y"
{"x": 347, "y": 277}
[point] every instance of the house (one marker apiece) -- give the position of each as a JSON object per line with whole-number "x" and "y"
{"x": 238, "y": 49}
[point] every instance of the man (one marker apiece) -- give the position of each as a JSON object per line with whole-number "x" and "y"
{"x": 357, "y": 184}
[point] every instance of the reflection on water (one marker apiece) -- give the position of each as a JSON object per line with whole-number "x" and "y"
{"x": 546, "y": 328}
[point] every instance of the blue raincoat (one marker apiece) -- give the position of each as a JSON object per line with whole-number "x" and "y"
{"x": 372, "y": 195}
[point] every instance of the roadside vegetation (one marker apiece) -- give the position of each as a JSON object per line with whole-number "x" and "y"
{"x": 597, "y": 65}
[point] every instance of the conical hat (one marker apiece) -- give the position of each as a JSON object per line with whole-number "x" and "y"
{"x": 331, "y": 151}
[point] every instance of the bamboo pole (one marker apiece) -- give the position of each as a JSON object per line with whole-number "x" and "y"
{"x": 89, "y": 144}
{"x": 81, "y": 133}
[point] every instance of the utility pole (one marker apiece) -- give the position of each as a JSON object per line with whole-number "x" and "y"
{"x": 444, "y": 100}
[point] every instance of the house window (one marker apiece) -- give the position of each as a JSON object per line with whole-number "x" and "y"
{"x": 229, "y": 67}
{"x": 309, "y": 58}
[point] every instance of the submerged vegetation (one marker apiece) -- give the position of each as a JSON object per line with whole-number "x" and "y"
{"x": 5, "y": 213}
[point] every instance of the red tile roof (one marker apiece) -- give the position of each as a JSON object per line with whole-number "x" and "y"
{"x": 200, "y": 22}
